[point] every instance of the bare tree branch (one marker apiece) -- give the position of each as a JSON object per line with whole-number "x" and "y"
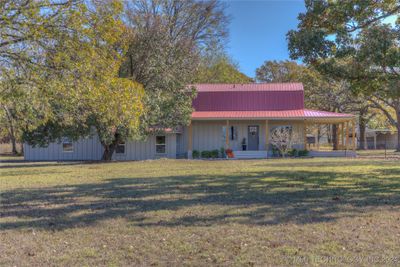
{"x": 385, "y": 111}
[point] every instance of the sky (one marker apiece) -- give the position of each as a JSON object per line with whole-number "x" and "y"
{"x": 257, "y": 31}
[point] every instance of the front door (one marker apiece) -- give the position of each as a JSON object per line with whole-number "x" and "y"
{"x": 253, "y": 137}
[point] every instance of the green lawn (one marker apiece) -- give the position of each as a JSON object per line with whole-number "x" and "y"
{"x": 179, "y": 212}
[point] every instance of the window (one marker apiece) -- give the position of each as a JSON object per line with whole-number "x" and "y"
{"x": 253, "y": 129}
{"x": 120, "y": 149}
{"x": 67, "y": 145}
{"x": 233, "y": 133}
{"x": 160, "y": 145}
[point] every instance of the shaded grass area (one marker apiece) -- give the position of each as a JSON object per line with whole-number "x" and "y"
{"x": 178, "y": 212}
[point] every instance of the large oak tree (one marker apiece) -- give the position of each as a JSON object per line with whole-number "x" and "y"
{"x": 357, "y": 41}
{"x": 72, "y": 66}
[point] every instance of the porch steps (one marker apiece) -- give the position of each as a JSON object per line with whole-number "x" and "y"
{"x": 255, "y": 154}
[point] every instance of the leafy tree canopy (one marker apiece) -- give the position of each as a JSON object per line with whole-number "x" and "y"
{"x": 78, "y": 81}
{"x": 320, "y": 91}
{"x": 167, "y": 42}
{"x": 353, "y": 40}
{"x": 219, "y": 68}
{"x": 350, "y": 40}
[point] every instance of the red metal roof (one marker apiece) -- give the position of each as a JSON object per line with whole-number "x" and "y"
{"x": 249, "y": 101}
{"x": 255, "y": 100}
{"x": 249, "y": 97}
{"x": 286, "y": 114}
{"x": 224, "y": 87}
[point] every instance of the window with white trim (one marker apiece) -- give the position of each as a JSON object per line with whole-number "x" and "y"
{"x": 67, "y": 145}
{"x": 160, "y": 144}
{"x": 120, "y": 149}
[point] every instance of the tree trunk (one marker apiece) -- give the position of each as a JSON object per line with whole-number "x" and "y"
{"x": 398, "y": 127}
{"x": 13, "y": 143}
{"x": 362, "y": 126}
{"x": 11, "y": 130}
{"x": 110, "y": 148}
{"x": 398, "y": 137}
{"x": 108, "y": 152}
{"x": 131, "y": 66}
{"x": 335, "y": 136}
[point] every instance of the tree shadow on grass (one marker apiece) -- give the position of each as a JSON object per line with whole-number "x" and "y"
{"x": 253, "y": 198}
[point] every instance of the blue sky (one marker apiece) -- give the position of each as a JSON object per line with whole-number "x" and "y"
{"x": 258, "y": 30}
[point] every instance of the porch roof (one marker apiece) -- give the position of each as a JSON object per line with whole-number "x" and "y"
{"x": 298, "y": 114}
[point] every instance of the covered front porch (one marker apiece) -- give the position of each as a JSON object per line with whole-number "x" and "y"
{"x": 328, "y": 137}
{"x": 250, "y": 137}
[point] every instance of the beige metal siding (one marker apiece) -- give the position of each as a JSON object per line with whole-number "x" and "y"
{"x": 181, "y": 143}
{"x": 142, "y": 150}
{"x": 84, "y": 149}
{"x": 91, "y": 149}
{"x": 207, "y": 135}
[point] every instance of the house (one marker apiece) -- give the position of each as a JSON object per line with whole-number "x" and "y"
{"x": 380, "y": 139}
{"x": 236, "y": 116}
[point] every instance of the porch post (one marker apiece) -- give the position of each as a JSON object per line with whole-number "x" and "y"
{"x": 190, "y": 141}
{"x": 305, "y": 134}
{"x": 317, "y": 136}
{"x": 227, "y": 135}
{"x": 342, "y": 134}
{"x": 354, "y": 135}
{"x": 266, "y": 135}
{"x": 338, "y": 136}
{"x": 347, "y": 135}
{"x": 374, "y": 140}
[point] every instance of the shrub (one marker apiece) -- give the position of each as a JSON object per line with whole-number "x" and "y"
{"x": 303, "y": 153}
{"x": 292, "y": 153}
{"x": 205, "y": 154}
{"x": 196, "y": 154}
{"x": 214, "y": 153}
{"x": 222, "y": 152}
{"x": 275, "y": 152}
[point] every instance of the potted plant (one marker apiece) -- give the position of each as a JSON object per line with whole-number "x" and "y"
{"x": 229, "y": 153}
{"x": 244, "y": 146}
